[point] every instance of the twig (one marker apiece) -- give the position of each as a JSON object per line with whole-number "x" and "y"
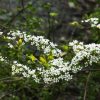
{"x": 88, "y": 70}
{"x": 11, "y": 79}
{"x": 86, "y": 86}
{"x": 14, "y": 17}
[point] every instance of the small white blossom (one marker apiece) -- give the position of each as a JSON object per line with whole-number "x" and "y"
{"x": 93, "y": 21}
{"x": 10, "y": 45}
{"x": 98, "y": 26}
{"x": 1, "y": 33}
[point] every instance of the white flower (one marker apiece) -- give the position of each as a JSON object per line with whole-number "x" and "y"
{"x": 98, "y": 26}
{"x": 10, "y": 45}
{"x": 1, "y": 33}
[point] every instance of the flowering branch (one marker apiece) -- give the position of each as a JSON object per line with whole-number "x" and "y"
{"x": 48, "y": 65}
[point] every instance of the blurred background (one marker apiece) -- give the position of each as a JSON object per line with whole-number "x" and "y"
{"x": 57, "y": 20}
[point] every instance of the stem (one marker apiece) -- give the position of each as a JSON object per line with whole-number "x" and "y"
{"x": 86, "y": 86}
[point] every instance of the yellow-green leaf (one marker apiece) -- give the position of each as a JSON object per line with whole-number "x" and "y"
{"x": 53, "y": 14}
{"x": 32, "y": 58}
{"x": 75, "y": 24}
{"x": 50, "y": 57}
{"x": 65, "y": 47}
{"x": 19, "y": 41}
{"x": 42, "y": 60}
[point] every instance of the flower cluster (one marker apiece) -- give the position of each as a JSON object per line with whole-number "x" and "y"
{"x": 2, "y": 59}
{"x": 85, "y": 55}
{"x": 23, "y": 70}
{"x": 93, "y": 21}
{"x": 59, "y": 70}
{"x": 76, "y": 46}
{"x": 39, "y": 41}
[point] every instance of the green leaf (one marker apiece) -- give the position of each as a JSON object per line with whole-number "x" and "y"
{"x": 53, "y": 14}
{"x": 32, "y": 58}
